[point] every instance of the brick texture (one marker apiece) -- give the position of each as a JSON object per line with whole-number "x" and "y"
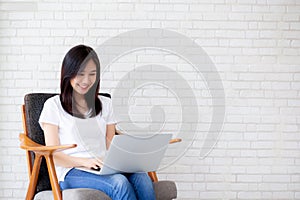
{"x": 253, "y": 44}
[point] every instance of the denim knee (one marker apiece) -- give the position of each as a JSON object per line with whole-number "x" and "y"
{"x": 142, "y": 185}
{"x": 123, "y": 188}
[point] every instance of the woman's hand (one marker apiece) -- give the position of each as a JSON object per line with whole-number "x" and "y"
{"x": 92, "y": 163}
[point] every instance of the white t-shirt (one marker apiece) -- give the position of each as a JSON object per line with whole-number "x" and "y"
{"x": 89, "y": 134}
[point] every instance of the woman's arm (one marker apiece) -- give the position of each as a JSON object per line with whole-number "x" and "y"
{"x": 62, "y": 159}
{"x": 110, "y": 133}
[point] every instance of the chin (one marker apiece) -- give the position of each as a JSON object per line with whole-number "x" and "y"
{"x": 80, "y": 92}
{"x": 83, "y": 93}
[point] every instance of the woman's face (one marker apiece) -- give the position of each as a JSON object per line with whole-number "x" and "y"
{"x": 85, "y": 79}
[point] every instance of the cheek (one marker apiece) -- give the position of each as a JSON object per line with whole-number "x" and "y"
{"x": 73, "y": 82}
{"x": 93, "y": 79}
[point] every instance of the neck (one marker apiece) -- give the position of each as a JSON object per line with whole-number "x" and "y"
{"x": 78, "y": 97}
{"x": 80, "y": 103}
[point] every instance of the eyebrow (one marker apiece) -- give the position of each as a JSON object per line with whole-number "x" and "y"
{"x": 89, "y": 71}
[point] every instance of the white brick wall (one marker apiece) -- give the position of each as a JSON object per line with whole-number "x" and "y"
{"x": 253, "y": 43}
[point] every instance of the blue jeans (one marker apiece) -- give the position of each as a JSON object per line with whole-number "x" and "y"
{"x": 117, "y": 186}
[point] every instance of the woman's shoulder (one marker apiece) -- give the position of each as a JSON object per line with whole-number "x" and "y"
{"x": 55, "y": 100}
{"x": 104, "y": 98}
{"x": 106, "y": 101}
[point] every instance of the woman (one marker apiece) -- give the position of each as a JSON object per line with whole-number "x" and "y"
{"x": 78, "y": 115}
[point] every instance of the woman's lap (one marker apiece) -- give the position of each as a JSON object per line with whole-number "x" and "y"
{"x": 117, "y": 186}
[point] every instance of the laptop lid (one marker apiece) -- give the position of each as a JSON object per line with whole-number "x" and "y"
{"x": 131, "y": 154}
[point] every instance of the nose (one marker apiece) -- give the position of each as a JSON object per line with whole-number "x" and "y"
{"x": 86, "y": 79}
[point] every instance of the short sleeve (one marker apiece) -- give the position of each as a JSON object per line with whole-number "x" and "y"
{"x": 107, "y": 111}
{"x": 49, "y": 113}
{"x": 111, "y": 118}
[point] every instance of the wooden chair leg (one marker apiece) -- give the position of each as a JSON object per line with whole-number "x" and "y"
{"x": 34, "y": 177}
{"x": 153, "y": 176}
{"x": 53, "y": 178}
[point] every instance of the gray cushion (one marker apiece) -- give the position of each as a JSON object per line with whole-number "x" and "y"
{"x": 164, "y": 190}
{"x": 74, "y": 194}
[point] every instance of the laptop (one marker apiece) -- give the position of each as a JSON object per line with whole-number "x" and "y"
{"x": 133, "y": 154}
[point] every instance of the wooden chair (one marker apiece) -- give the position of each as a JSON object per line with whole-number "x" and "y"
{"x": 41, "y": 170}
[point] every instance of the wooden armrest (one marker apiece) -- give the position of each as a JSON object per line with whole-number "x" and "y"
{"x": 175, "y": 140}
{"x": 29, "y": 145}
{"x": 46, "y": 152}
{"x": 153, "y": 176}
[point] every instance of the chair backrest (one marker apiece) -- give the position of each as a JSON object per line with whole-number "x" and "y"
{"x": 33, "y": 105}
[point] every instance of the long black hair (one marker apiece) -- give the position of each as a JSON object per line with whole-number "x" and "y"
{"x": 74, "y": 61}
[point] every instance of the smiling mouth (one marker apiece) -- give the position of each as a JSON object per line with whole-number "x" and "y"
{"x": 83, "y": 87}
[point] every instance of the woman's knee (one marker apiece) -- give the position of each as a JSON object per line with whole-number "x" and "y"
{"x": 122, "y": 188}
{"x": 140, "y": 179}
{"x": 120, "y": 181}
{"x": 142, "y": 185}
